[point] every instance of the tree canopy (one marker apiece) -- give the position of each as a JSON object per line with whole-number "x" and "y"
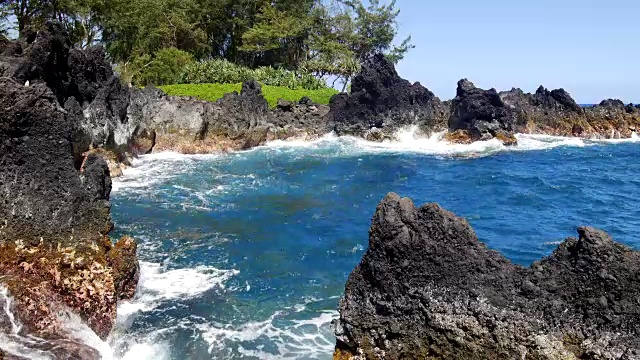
{"x": 326, "y": 38}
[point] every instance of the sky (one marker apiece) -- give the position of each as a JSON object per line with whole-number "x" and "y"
{"x": 590, "y": 48}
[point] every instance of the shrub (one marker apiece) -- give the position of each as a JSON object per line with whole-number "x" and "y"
{"x": 221, "y": 71}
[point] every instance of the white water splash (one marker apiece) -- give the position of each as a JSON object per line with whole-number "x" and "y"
{"x": 409, "y": 140}
{"x": 159, "y": 167}
{"x": 309, "y": 339}
{"x": 32, "y": 347}
{"x": 147, "y": 170}
{"x": 8, "y": 301}
{"x": 157, "y": 285}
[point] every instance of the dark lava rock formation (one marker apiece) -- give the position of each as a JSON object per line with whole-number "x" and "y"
{"x": 382, "y": 100}
{"x": 428, "y": 289}
{"x": 118, "y": 122}
{"x": 55, "y": 254}
{"x": 479, "y": 114}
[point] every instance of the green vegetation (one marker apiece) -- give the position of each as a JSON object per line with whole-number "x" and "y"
{"x": 213, "y": 92}
{"x": 323, "y": 39}
{"x": 164, "y": 67}
{"x": 225, "y": 72}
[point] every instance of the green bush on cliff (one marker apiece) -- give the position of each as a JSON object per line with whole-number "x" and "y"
{"x": 213, "y": 92}
{"x": 221, "y": 71}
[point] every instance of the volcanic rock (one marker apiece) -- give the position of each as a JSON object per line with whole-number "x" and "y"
{"x": 428, "y": 288}
{"x": 480, "y": 113}
{"x": 55, "y": 218}
{"x": 381, "y": 99}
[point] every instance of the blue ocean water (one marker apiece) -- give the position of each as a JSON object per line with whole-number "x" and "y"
{"x": 245, "y": 255}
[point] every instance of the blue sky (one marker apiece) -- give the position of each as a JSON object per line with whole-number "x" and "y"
{"x": 590, "y": 48}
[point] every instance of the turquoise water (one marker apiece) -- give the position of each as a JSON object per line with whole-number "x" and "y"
{"x": 245, "y": 255}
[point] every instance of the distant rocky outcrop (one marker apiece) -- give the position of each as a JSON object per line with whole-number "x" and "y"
{"x": 428, "y": 289}
{"x": 383, "y": 101}
{"x": 54, "y": 207}
{"x": 556, "y": 113}
{"x": 479, "y": 114}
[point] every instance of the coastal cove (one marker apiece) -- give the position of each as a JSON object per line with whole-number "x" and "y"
{"x": 259, "y": 243}
{"x": 386, "y": 224}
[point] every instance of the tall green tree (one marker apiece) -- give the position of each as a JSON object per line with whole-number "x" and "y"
{"x": 376, "y": 27}
{"x": 347, "y": 32}
{"x": 224, "y": 22}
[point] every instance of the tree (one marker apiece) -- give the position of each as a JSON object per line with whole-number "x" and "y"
{"x": 165, "y": 67}
{"x": 4, "y": 19}
{"x": 376, "y": 27}
{"x": 279, "y": 35}
{"x": 347, "y": 32}
{"x": 224, "y": 22}
{"x": 81, "y": 18}
{"x": 134, "y": 28}
{"x": 27, "y": 12}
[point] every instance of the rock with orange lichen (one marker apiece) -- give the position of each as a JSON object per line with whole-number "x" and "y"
{"x": 507, "y": 139}
{"x": 466, "y": 137}
{"x": 116, "y": 162}
{"x": 126, "y": 270}
{"x": 44, "y": 280}
{"x": 459, "y": 137}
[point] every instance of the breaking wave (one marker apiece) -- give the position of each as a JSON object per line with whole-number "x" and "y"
{"x": 409, "y": 141}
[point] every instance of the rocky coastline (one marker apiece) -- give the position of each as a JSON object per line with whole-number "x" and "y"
{"x": 427, "y": 288}
{"x": 118, "y": 122}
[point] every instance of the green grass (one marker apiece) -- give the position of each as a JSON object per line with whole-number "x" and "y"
{"x": 213, "y": 92}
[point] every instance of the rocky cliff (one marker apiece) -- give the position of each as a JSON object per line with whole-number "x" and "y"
{"x": 235, "y": 122}
{"x": 56, "y": 259}
{"x": 426, "y": 288}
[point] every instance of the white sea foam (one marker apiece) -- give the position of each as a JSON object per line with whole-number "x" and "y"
{"x": 633, "y": 139}
{"x": 14, "y": 343}
{"x": 22, "y": 345}
{"x": 157, "y": 285}
{"x": 309, "y": 338}
{"x": 150, "y": 169}
{"x": 409, "y": 140}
